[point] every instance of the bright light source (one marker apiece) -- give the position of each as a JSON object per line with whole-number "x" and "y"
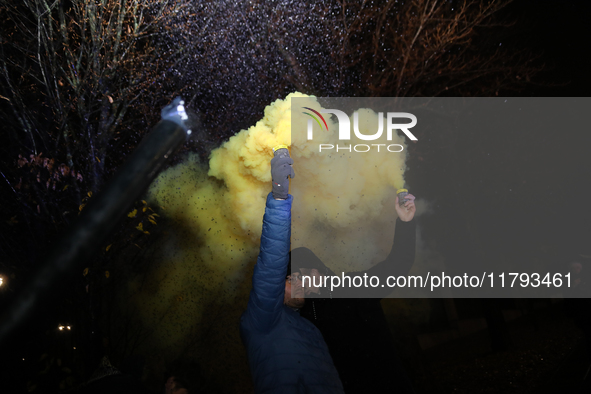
{"x": 68, "y": 327}
{"x": 1, "y": 280}
{"x": 61, "y": 328}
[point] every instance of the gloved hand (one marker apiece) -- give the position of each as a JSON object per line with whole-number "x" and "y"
{"x": 281, "y": 170}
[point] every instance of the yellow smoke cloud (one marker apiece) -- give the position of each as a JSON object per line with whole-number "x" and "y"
{"x": 343, "y": 210}
{"x": 344, "y": 201}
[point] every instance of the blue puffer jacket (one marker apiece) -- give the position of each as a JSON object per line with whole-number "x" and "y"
{"x": 286, "y": 352}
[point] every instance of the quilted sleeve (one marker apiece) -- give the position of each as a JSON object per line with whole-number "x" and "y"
{"x": 268, "y": 280}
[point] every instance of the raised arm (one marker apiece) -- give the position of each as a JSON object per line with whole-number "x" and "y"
{"x": 402, "y": 255}
{"x": 268, "y": 280}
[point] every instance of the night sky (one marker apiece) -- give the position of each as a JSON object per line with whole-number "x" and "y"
{"x": 528, "y": 201}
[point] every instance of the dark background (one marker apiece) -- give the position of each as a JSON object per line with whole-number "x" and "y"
{"x": 478, "y": 345}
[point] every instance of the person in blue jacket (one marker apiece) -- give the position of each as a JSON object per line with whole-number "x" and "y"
{"x": 286, "y": 353}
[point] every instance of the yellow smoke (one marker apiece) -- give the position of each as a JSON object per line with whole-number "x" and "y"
{"x": 344, "y": 201}
{"x": 343, "y": 210}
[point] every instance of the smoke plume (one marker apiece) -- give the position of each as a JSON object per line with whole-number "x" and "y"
{"x": 343, "y": 210}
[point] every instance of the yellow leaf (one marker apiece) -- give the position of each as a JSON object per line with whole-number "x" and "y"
{"x": 108, "y": 247}
{"x": 97, "y": 159}
{"x": 140, "y": 226}
{"x": 137, "y": 246}
{"x": 132, "y": 213}
{"x": 155, "y": 214}
{"x": 65, "y": 187}
{"x": 85, "y": 271}
{"x": 107, "y": 274}
{"x": 89, "y": 194}
{"x": 81, "y": 206}
{"x": 152, "y": 220}
{"x": 144, "y": 202}
{"x": 161, "y": 207}
{"x": 146, "y": 232}
{"x": 144, "y": 209}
